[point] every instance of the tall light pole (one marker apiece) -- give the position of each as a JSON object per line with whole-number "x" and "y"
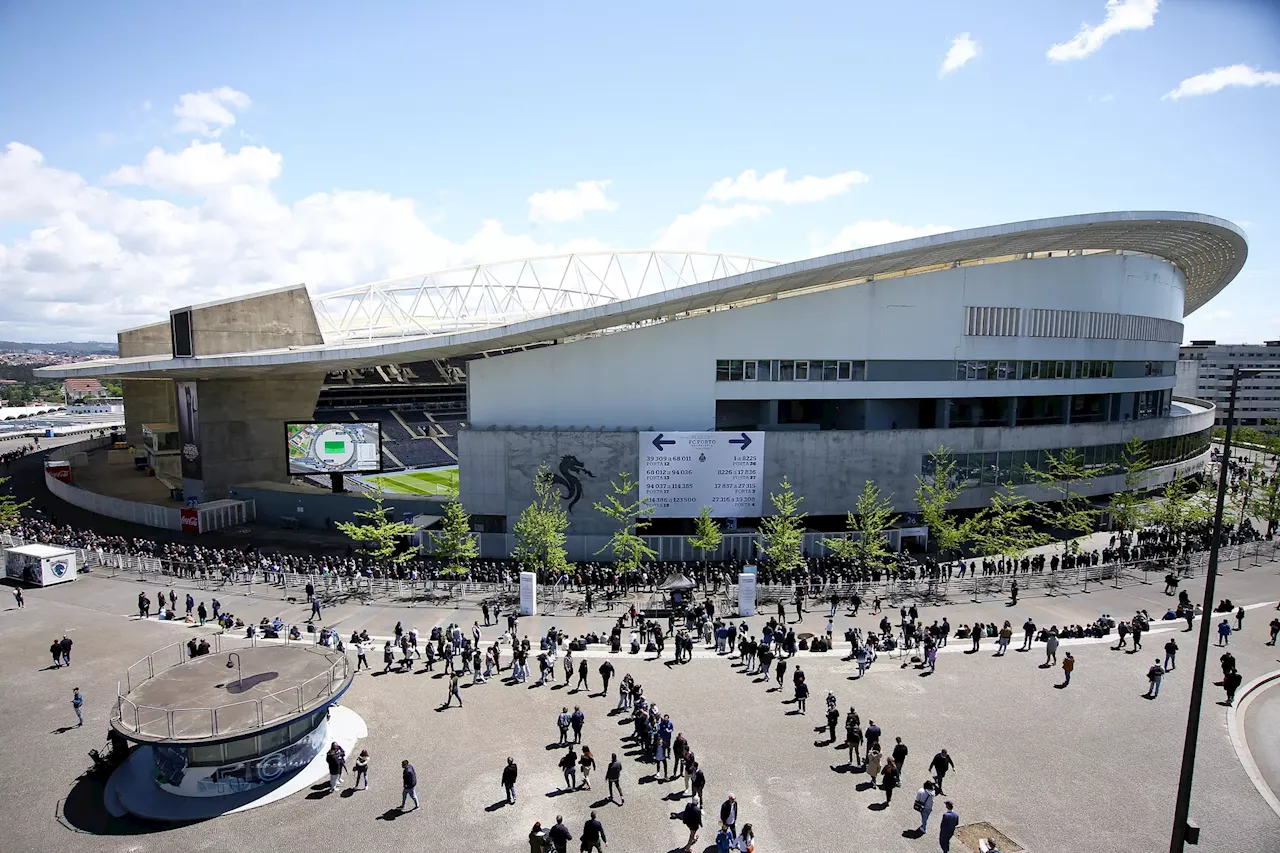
{"x": 1182, "y": 806}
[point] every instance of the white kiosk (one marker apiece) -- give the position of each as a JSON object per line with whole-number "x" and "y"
{"x": 40, "y": 565}
{"x": 528, "y": 594}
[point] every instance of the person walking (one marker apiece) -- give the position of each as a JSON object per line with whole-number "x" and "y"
{"x": 560, "y": 836}
{"x": 409, "y": 778}
{"x": 569, "y": 767}
{"x": 1240, "y": 618}
{"x": 729, "y": 814}
{"x": 746, "y": 839}
{"x": 613, "y": 775}
{"x": 1171, "y": 655}
{"x": 1028, "y": 635}
{"x": 976, "y": 634}
{"x": 924, "y": 805}
{"x": 361, "y": 768}
{"x": 1051, "y": 649}
{"x": 538, "y": 838}
{"x": 562, "y": 723}
{"x": 1068, "y": 666}
{"x": 1224, "y": 633}
{"x": 453, "y": 691}
{"x": 64, "y": 645}
{"x": 77, "y": 703}
{"x": 389, "y": 657}
{"x": 337, "y": 761}
{"x": 582, "y": 677}
{"x": 315, "y": 609}
{"x": 593, "y": 835}
{"x": 950, "y": 820}
{"x": 699, "y": 782}
{"x": 873, "y": 764}
{"x": 1275, "y": 631}
{"x": 1231, "y": 683}
{"x": 362, "y": 655}
{"x": 889, "y": 780}
{"x": 576, "y": 720}
{"x": 691, "y": 817}
{"x": 509, "y": 774}
{"x": 586, "y": 763}
{"x": 941, "y": 765}
{"x": 1154, "y": 676}
{"x": 802, "y": 694}
{"x": 853, "y": 737}
{"x": 606, "y": 672}
{"x": 22, "y": 602}
{"x": 899, "y": 755}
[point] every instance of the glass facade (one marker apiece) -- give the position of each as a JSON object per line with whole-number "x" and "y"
{"x": 992, "y": 469}
{"x": 854, "y": 370}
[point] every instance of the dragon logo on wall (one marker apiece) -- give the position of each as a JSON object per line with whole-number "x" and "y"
{"x": 570, "y": 468}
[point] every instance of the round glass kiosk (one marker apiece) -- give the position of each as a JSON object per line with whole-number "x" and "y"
{"x": 226, "y": 730}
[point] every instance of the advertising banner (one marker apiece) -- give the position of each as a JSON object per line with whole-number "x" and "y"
{"x": 190, "y": 519}
{"x": 189, "y": 430}
{"x": 681, "y": 472}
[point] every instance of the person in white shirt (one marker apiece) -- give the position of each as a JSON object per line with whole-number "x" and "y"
{"x": 924, "y": 805}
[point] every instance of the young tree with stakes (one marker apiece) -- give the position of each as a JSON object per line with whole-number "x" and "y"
{"x": 1129, "y": 510}
{"x": 783, "y": 532}
{"x": 936, "y": 492}
{"x": 632, "y": 516}
{"x": 871, "y": 517}
{"x": 1005, "y": 528}
{"x": 454, "y": 542}
{"x": 706, "y": 535}
{"x": 1070, "y": 512}
{"x": 540, "y": 529}
{"x": 380, "y": 534}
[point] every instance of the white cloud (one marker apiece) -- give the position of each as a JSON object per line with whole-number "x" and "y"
{"x": 775, "y": 187}
{"x": 1220, "y": 78}
{"x": 571, "y": 204}
{"x": 874, "y": 232}
{"x": 962, "y": 50}
{"x": 146, "y": 105}
{"x": 201, "y": 167}
{"x": 99, "y": 260}
{"x": 1122, "y": 15}
{"x": 209, "y": 113}
{"x": 692, "y": 231}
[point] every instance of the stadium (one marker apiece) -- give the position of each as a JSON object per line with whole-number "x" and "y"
{"x": 709, "y": 378}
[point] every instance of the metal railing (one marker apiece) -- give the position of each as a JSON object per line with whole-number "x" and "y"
{"x": 242, "y": 716}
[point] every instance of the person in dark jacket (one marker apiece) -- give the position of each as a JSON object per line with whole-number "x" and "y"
{"x": 889, "y": 780}
{"x": 593, "y": 835}
{"x": 560, "y": 835}
{"x": 729, "y": 814}
{"x": 65, "y": 646}
{"x": 613, "y": 775}
{"x": 537, "y": 838}
{"x": 509, "y": 779}
{"x": 410, "y": 779}
{"x": 691, "y": 817}
{"x": 899, "y": 754}
{"x": 606, "y": 672}
{"x": 950, "y": 820}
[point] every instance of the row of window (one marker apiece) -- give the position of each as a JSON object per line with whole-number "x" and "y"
{"x": 789, "y": 370}
{"x": 993, "y": 469}
{"x": 254, "y": 746}
{"x": 1044, "y": 369}
{"x": 1059, "y": 323}
{"x": 847, "y": 370}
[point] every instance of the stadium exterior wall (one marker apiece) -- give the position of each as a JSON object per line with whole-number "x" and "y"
{"x": 828, "y": 468}
{"x": 663, "y": 375}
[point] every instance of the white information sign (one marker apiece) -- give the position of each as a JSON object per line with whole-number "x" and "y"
{"x": 528, "y": 594}
{"x": 747, "y": 594}
{"x": 681, "y": 472}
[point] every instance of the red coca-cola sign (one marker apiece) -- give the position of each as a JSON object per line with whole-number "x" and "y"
{"x": 190, "y": 519}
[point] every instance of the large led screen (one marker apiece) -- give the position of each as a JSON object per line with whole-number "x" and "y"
{"x": 334, "y": 448}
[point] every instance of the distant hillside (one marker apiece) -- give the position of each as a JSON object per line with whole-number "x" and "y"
{"x": 69, "y": 347}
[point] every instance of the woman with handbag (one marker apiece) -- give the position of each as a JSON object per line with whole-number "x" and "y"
{"x": 747, "y": 839}
{"x": 586, "y": 764}
{"x": 924, "y": 805}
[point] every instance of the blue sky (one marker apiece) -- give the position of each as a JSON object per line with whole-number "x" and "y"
{"x": 161, "y": 154}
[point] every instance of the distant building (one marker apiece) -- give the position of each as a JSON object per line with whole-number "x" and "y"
{"x": 1204, "y": 371}
{"x": 78, "y": 389}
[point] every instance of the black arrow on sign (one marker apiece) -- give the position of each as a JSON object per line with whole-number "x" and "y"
{"x": 745, "y": 441}
{"x": 660, "y": 444}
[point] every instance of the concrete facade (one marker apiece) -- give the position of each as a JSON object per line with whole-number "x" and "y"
{"x": 1205, "y": 368}
{"x": 664, "y": 375}
{"x": 146, "y": 401}
{"x": 242, "y": 436}
{"x": 271, "y": 320}
{"x": 828, "y": 468}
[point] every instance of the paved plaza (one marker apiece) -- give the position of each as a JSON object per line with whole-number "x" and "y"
{"x": 1089, "y": 767}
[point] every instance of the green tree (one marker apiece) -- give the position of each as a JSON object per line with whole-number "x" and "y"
{"x": 10, "y": 507}
{"x": 1128, "y": 509}
{"x": 1006, "y": 526}
{"x": 935, "y": 492}
{"x": 540, "y": 529}
{"x": 632, "y": 517}
{"x": 454, "y": 543}
{"x": 1182, "y": 508}
{"x": 1266, "y": 502}
{"x": 706, "y": 534}
{"x": 1066, "y": 477}
{"x": 379, "y": 533}
{"x": 872, "y": 516}
{"x": 783, "y": 532}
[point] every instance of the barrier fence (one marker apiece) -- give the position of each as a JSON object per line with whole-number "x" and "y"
{"x": 333, "y": 587}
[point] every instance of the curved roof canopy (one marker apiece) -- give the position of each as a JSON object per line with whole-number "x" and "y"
{"x": 1209, "y": 251}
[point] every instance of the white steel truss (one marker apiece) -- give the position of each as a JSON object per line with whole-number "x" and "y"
{"x": 496, "y": 294}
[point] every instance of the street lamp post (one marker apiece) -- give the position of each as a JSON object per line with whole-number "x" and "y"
{"x": 1182, "y": 807}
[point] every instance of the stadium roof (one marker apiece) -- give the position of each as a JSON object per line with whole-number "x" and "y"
{"x": 1209, "y": 251}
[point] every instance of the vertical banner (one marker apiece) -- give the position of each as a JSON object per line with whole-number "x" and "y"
{"x": 528, "y": 594}
{"x": 189, "y": 430}
{"x": 747, "y": 594}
